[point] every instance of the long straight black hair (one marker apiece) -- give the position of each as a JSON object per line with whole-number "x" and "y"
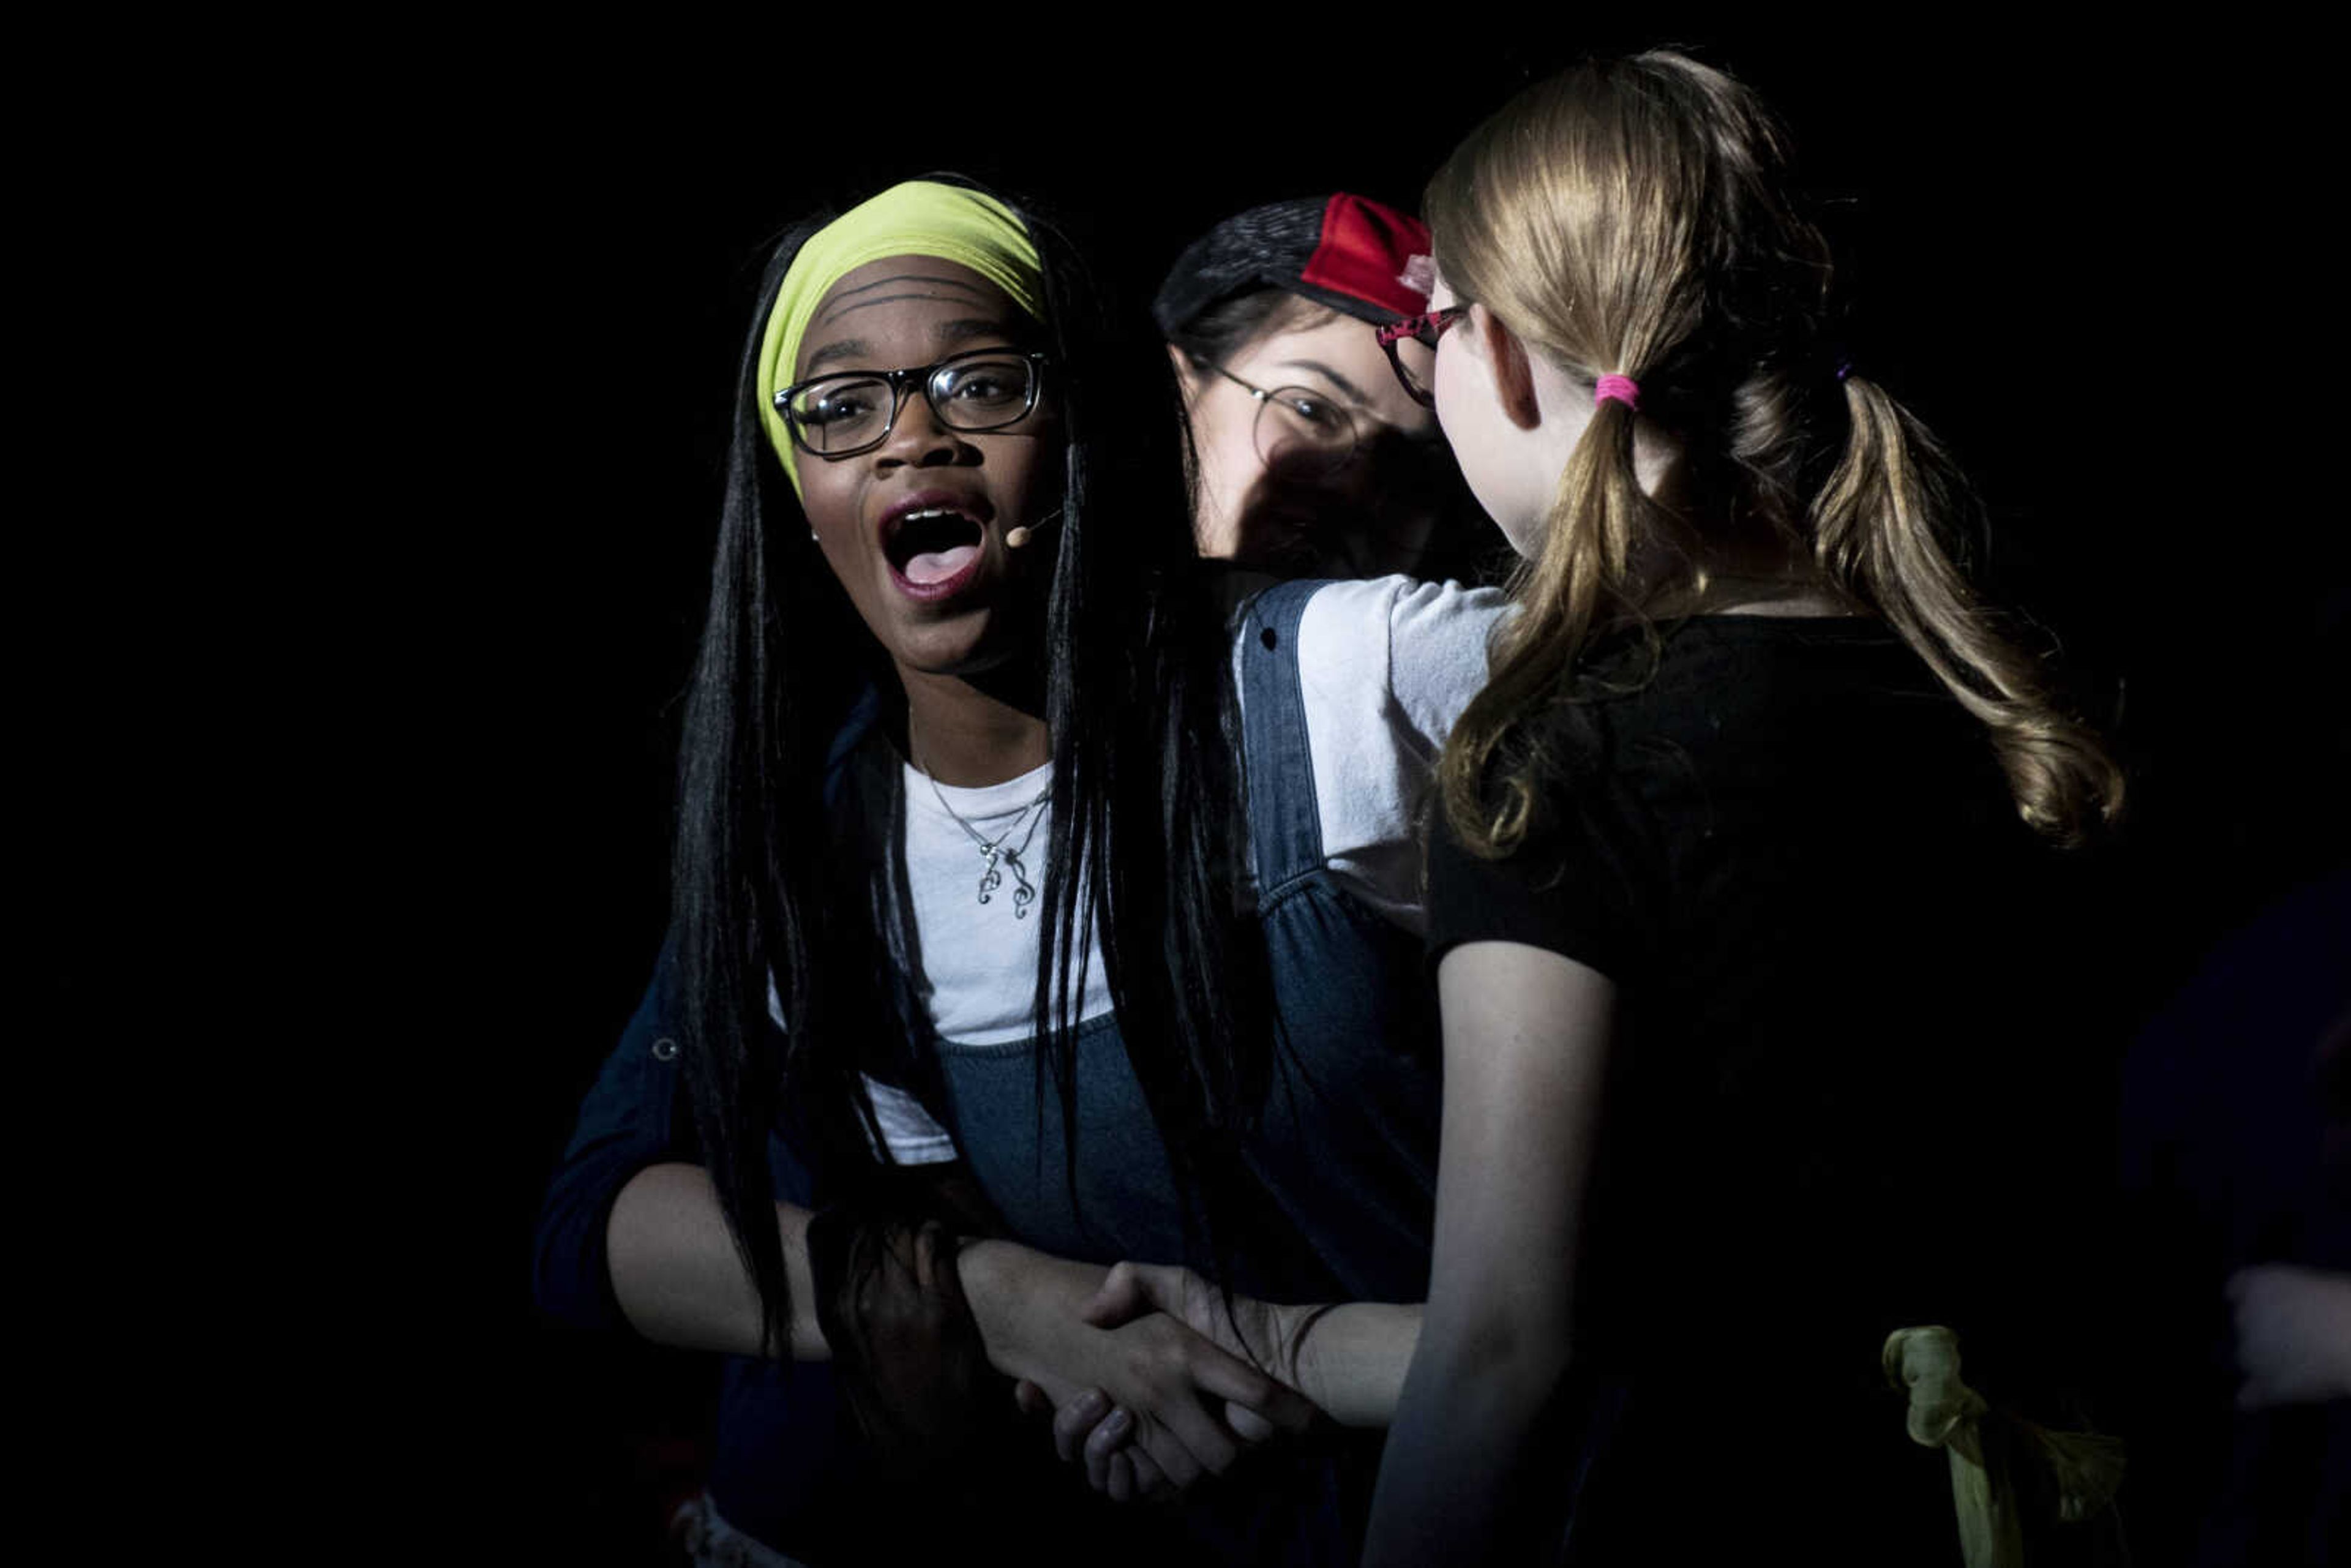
{"x": 1136, "y": 689}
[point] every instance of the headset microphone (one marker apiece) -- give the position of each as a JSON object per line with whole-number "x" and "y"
{"x": 1016, "y": 537}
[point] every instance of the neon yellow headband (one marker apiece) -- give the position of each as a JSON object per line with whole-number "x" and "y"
{"x": 918, "y": 218}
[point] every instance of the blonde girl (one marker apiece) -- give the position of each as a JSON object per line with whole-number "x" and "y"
{"x": 1739, "y": 879}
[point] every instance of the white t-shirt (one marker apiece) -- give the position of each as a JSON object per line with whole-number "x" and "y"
{"x": 979, "y": 960}
{"x": 1384, "y": 668}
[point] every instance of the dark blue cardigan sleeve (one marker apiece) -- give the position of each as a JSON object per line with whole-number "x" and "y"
{"x": 629, "y": 1121}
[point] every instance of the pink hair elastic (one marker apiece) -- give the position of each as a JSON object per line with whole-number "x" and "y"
{"x": 1622, "y": 388}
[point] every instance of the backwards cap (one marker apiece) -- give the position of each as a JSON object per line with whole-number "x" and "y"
{"x": 1351, "y": 252}
{"x": 920, "y": 217}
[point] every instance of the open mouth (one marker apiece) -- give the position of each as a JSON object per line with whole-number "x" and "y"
{"x": 932, "y": 544}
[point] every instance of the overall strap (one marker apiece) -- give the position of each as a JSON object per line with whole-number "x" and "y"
{"x": 1285, "y": 822}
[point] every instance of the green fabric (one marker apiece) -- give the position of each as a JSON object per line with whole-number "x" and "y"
{"x": 1946, "y": 1414}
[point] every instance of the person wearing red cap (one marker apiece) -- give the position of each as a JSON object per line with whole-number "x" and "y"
{"x": 1308, "y": 460}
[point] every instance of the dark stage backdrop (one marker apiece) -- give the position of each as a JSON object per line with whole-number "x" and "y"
{"x": 2046, "y": 240}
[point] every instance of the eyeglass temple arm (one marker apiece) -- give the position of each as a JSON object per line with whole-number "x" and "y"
{"x": 1258, "y": 393}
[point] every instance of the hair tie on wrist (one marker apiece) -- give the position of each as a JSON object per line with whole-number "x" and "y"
{"x": 1621, "y": 388}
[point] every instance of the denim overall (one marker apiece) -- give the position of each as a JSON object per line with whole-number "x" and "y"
{"x": 1346, "y": 1159}
{"x": 1347, "y": 1151}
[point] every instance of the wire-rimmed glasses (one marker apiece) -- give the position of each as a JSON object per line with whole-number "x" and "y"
{"x": 1296, "y": 429}
{"x": 850, "y": 412}
{"x": 1425, "y": 330}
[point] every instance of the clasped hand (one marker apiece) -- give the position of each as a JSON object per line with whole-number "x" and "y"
{"x": 1144, "y": 1429}
{"x": 1155, "y": 1384}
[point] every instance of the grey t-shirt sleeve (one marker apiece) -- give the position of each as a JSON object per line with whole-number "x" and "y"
{"x": 1384, "y": 668}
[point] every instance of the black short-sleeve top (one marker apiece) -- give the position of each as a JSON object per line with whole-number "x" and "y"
{"x": 1796, "y": 855}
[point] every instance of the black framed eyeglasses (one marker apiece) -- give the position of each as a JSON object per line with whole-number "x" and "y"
{"x": 1425, "y": 330}
{"x": 850, "y": 412}
{"x": 1298, "y": 429}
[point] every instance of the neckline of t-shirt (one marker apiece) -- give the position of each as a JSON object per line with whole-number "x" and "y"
{"x": 975, "y": 802}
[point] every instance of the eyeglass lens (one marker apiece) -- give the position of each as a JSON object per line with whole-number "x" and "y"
{"x": 842, "y": 413}
{"x": 1305, "y": 430}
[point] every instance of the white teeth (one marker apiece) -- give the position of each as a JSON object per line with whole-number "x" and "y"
{"x": 930, "y": 512}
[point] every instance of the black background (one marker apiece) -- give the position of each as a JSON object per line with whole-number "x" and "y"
{"x": 489, "y": 294}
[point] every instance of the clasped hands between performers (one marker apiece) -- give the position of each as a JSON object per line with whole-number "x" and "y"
{"x": 1152, "y": 1377}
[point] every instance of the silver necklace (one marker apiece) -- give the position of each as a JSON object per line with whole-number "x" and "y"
{"x": 993, "y": 851}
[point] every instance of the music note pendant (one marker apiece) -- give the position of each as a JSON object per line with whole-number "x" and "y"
{"x": 1022, "y": 894}
{"x": 994, "y": 850}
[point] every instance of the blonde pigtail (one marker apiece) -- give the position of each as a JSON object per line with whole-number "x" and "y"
{"x": 1881, "y": 528}
{"x": 1579, "y": 585}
